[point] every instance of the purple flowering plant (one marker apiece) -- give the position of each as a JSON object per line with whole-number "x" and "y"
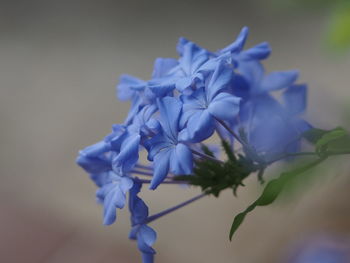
{"x": 226, "y": 93}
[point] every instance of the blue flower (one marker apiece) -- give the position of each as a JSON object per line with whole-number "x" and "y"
{"x": 272, "y": 127}
{"x": 208, "y": 103}
{"x": 93, "y": 159}
{"x": 251, "y": 79}
{"x": 185, "y": 75}
{"x": 184, "y": 103}
{"x": 144, "y": 234}
{"x": 127, "y": 142}
{"x": 137, "y": 91}
{"x": 113, "y": 196}
{"x": 129, "y": 87}
{"x": 166, "y": 149}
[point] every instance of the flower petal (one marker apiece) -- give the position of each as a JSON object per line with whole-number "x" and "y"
{"x": 137, "y": 207}
{"x": 181, "y": 162}
{"x": 113, "y": 196}
{"x": 146, "y": 237}
{"x": 295, "y": 99}
{"x": 220, "y": 79}
{"x": 279, "y": 80}
{"x": 92, "y": 158}
{"x": 225, "y": 106}
{"x": 126, "y": 84}
{"x": 128, "y": 155}
{"x": 258, "y": 52}
{"x": 170, "y": 109}
{"x": 200, "y": 126}
{"x": 161, "y": 168}
{"x": 238, "y": 44}
{"x": 184, "y": 83}
{"x": 162, "y": 66}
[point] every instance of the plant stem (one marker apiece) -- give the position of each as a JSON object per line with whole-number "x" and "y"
{"x": 164, "y": 182}
{"x": 205, "y": 156}
{"x": 142, "y": 172}
{"x": 235, "y": 135}
{"x": 172, "y": 209}
{"x": 145, "y": 167}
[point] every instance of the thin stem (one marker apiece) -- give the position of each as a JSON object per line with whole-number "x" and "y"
{"x": 145, "y": 167}
{"x": 205, "y": 156}
{"x": 164, "y": 182}
{"x": 235, "y": 135}
{"x": 220, "y": 135}
{"x": 172, "y": 209}
{"x": 141, "y": 172}
{"x": 261, "y": 175}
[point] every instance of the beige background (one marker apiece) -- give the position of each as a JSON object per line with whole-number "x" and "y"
{"x": 59, "y": 63}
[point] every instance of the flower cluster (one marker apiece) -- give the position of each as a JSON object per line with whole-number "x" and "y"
{"x": 186, "y": 101}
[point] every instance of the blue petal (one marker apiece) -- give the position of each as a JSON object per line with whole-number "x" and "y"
{"x": 93, "y": 164}
{"x": 146, "y": 237}
{"x": 162, "y": 66}
{"x": 137, "y": 207}
{"x": 253, "y": 72}
{"x": 258, "y": 52}
{"x": 225, "y": 106}
{"x": 136, "y": 104}
{"x": 272, "y": 134}
{"x": 184, "y": 83}
{"x": 155, "y": 144}
{"x": 220, "y": 79}
{"x": 180, "y": 45}
{"x": 113, "y": 196}
{"x": 161, "y": 168}
{"x": 279, "y": 80}
{"x": 141, "y": 118}
{"x": 92, "y": 158}
{"x": 170, "y": 109}
{"x": 128, "y": 155}
{"x": 101, "y": 179}
{"x": 96, "y": 149}
{"x": 193, "y": 57}
{"x": 126, "y": 85}
{"x": 238, "y": 45}
{"x": 295, "y": 99}
{"x": 117, "y": 136}
{"x": 162, "y": 86}
{"x": 126, "y": 184}
{"x": 181, "y": 160}
{"x": 200, "y": 126}
{"x": 152, "y": 127}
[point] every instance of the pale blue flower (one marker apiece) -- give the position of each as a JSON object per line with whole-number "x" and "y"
{"x": 166, "y": 150}
{"x": 212, "y": 101}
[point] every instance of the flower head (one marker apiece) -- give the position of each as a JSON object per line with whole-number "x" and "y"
{"x": 185, "y": 102}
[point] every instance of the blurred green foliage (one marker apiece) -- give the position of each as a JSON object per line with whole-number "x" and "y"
{"x": 338, "y": 31}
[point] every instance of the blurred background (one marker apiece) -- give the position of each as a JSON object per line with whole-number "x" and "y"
{"x": 59, "y": 64}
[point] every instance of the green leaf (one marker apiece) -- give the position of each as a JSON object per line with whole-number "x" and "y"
{"x": 313, "y": 135}
{"x": 272, "y": 191}
{"x": 334, "y": 140}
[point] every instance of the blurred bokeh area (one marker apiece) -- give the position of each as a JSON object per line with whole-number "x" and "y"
{"x": 59, "y": 64}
